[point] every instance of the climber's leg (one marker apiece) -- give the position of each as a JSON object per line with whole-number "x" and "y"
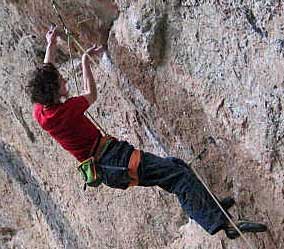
{"x": 176, "y": 177}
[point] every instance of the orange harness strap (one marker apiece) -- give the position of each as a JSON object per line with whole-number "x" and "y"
{"x": 101, "y": 146}
{"x": 133, "y": 165}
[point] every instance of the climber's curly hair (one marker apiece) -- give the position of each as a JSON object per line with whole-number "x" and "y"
{"x": 44, "y": 84}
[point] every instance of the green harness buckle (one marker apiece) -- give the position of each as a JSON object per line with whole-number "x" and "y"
{"x": 88, "y": 171}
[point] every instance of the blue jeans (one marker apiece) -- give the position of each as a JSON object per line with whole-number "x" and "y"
{"x": 171, "y": 174}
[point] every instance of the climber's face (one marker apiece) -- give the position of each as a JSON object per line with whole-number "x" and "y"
{"x": 63, "y": 90}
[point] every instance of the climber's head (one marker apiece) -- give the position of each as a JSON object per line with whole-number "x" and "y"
{"x": 46, "y": 85}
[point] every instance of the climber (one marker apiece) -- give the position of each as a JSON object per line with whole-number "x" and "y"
{"x": 104, "y": 159}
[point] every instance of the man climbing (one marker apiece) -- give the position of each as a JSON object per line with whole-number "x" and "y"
{"x": 117, "y": 164}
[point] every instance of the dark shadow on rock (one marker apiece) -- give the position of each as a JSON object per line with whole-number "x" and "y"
{"x": 14, "y": 167}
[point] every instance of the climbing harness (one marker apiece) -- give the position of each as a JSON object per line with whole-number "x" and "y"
{"x": 92, "y": 174}
{"x": 88, "y": 169}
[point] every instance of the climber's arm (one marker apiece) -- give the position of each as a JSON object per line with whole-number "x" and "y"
{"x": 51, "y": 38}
{"x": 90, "y": 88}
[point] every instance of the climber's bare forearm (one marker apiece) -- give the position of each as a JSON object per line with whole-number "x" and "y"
{"x": 51, "y": 38}
{"x": 88, "y": 78}
{"x": 90, "y": 87}
{"x": 50, "y": 53}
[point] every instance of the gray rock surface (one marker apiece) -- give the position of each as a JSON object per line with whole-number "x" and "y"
{"x": 176, "y": 73}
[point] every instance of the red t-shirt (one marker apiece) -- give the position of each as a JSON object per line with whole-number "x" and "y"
{"x": 68, "y": 125}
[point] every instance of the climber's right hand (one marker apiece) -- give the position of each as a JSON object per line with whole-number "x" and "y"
{"x": 51, "y": 35}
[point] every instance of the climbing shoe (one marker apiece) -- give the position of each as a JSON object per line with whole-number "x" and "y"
{"x": 245, "y": 227}
{"x": 227, "y": 202}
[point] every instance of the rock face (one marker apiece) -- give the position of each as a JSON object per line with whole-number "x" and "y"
{"x": 176, "y": 73}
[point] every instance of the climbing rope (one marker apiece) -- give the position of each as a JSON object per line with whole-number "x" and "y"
{"x": 69, "y": 37}
{"x": 250, "y": 246}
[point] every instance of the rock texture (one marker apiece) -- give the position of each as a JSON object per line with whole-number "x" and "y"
{"x": 176, "y": 73}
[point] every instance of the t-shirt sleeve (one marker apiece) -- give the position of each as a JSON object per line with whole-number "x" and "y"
{"x": 37, "y": 108}
{"x": 77, "y": 105}
{"x": 35, "y": 112}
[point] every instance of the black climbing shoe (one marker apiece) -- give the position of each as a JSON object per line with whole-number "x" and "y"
{"x": 245, "y": 227}
{"x": 227, "y": 202}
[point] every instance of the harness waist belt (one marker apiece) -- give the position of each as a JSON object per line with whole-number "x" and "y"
{"x": 102, "y": 146}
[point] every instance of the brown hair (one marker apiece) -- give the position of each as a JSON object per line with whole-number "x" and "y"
{"x": 43, "y": 85}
